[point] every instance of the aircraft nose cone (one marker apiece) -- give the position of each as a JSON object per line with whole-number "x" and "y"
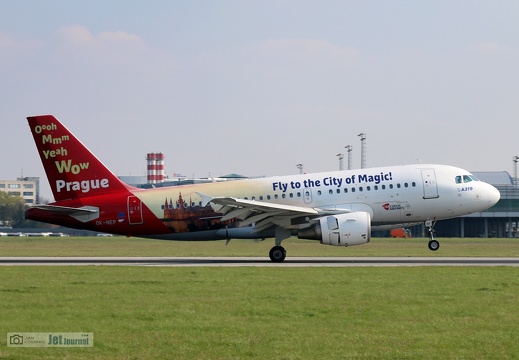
{"x": 493, "y": 195}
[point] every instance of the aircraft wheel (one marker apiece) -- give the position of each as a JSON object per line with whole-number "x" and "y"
{"x": 277, "y": 254}
{"x": 434, "y": 245}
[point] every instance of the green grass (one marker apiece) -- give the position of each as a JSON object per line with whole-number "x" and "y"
{"x": 265, "y": 313}
{"x": 258, "y": 313}
{"x": 121, "y": 246}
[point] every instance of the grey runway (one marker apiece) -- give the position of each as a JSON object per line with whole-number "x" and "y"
{"x": 259, "y": 261}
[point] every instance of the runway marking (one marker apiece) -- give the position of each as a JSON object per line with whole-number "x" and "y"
{"x": 259, "y": 261}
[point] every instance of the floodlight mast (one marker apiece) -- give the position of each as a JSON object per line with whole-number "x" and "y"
{"x": 362, "y": 150}
{"x": 348, "y": 149}
{"x": 516, "y": 158}
{"x": 341, "y": 163}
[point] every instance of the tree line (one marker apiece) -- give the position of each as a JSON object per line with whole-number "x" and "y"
{"x": 12, "y": 212}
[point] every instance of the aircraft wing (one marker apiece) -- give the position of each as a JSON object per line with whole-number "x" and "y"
{"x": 263, "y": 214}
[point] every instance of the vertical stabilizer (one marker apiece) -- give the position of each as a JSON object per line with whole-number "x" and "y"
{"x": 73, "y": 171}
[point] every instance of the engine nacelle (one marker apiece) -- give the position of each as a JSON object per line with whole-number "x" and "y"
{"x": 340, "y": 230}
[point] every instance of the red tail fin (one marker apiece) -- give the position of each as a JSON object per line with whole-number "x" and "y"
{"x": 73, "y": 171}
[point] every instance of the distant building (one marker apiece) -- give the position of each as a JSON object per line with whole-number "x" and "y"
{"x": 132, "y": 180}
{"x": 502, "y": 219}
{"x": 27, "y": 187}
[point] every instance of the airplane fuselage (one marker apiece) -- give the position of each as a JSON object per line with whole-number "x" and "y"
{"x": 392, "y": 195}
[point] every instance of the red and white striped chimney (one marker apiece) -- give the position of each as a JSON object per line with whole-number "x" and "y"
{"x": 160, "y": 167}
{"x": 155, "y": 168}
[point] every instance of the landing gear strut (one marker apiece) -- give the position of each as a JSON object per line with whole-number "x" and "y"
{"x": 277, "y": 254}
{"x": 433, "y": 243}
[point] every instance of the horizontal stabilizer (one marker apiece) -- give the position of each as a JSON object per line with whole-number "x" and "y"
{"x": 83, "y": 214}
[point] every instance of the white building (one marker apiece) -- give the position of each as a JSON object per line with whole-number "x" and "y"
{"x": 28, "y": 188}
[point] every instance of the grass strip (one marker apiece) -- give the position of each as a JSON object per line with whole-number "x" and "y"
{"x": 121, "y": 246}
{"x": 289, "y": 313}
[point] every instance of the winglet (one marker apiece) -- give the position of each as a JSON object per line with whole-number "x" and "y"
{"x": 206, "y": 199}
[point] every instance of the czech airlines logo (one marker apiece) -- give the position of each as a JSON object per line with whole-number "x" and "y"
{"x": 389, "y": 207}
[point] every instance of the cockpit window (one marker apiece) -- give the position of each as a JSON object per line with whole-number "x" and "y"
{"x": 465, "y": 179}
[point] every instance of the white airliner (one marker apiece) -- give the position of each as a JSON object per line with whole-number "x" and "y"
{"x": 336, "y": 208}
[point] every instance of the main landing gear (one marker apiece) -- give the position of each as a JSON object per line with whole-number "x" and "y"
{"x": 277, "y": 254}
{"x": 433, "y": 243}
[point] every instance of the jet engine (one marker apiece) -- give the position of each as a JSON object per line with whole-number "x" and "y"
{"x": 340, "y": 230}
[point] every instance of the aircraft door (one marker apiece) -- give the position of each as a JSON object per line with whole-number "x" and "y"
{"x": 134, "y": 210}
{"x": 307, "y": 194}
{"x": 430, "y": 188}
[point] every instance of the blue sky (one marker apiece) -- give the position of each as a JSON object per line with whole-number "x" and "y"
{"x": 256, "y": 87}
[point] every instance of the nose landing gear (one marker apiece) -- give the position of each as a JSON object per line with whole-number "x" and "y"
{"x": 433, "y": 243}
